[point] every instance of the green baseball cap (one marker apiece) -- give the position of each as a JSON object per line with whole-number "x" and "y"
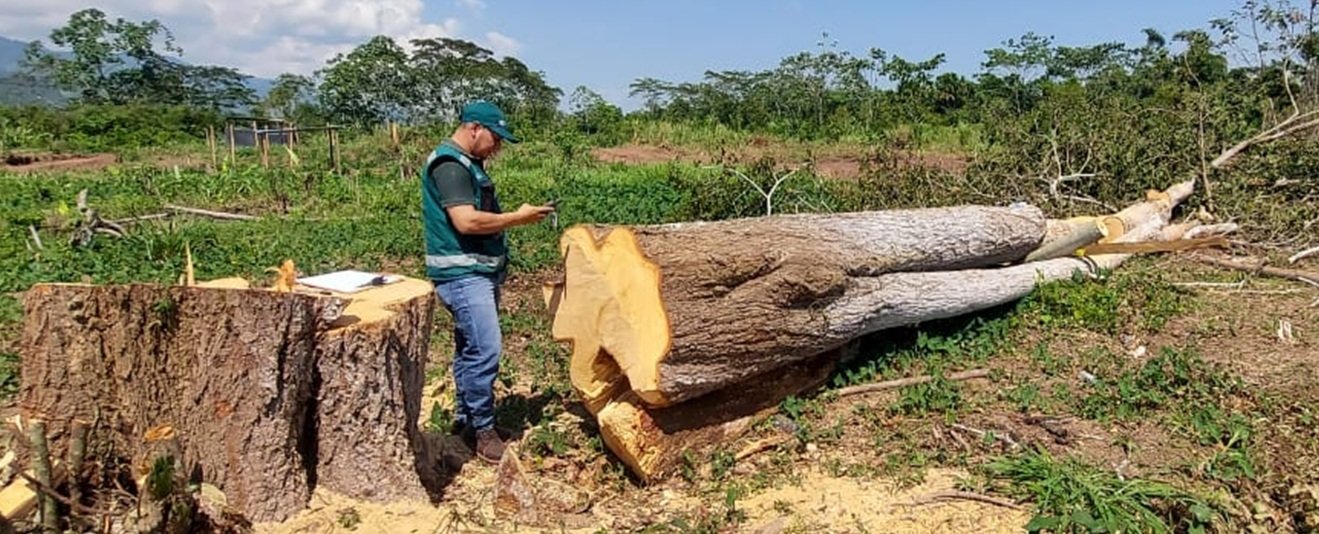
{"x": 488, "y": 115}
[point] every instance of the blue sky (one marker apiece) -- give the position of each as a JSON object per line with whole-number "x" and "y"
{"x": 607, "y": 44}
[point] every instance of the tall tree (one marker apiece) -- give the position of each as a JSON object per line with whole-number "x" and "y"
{"x": 109, "y": 62}
{"x": 372, "y": 83}
{"x": 291, "y": 97}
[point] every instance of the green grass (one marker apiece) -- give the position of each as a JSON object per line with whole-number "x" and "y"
{"x": 1108, "y": 304}
{"x": 1070, "y": 496}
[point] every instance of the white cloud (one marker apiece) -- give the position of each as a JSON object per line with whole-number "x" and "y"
{"x": 502, "y": 45}
{"x": 260, "y": 37}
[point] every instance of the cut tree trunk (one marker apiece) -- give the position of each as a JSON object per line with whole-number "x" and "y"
{"x": 372, "y": 371}
{"x": 672, "y": 312}
{"x": 267, "y": 391}
{"x": 651, "y": 439}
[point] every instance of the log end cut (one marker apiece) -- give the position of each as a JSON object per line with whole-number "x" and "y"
{"x": 609, "y": 308}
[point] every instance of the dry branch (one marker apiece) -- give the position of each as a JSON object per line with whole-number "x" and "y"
{"x": 139, "y": 218}
{"x": 1258, "y": 267}
{"x": 35, "y": 238}
{"x": 42, "y": 474}
{"x": 212, "y": 214}
{"x": 1004, "y": 437}
{"x": 944, "y": 496}
{"x": 1282, "y": 129}
{"x": 910, "y": 381}
{"x": 1293, "y": 259}
{"x": 762, "y": 446}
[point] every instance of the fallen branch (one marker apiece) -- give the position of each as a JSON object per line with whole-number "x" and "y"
{"x": 35, "y": 238}
{"x": 91, "y": 224}
{"x": 910, "y": 381}
{"x": 49, "y": 493}
{"x": 50, "y": 518}
{"x": 1279, "y": 131}
{"x": 1057, "y": 194}
{"x": 139, "y": 218}
{"x": 951, "y": 495}
{"x": 1295, "y": 257}
{"x": 762, "y": 446}
{"x": 1259, "y": 267}
{"x": 212, "y": 214}
{"x": 1230, "y": 285}
{"x": 1006, "y": 439}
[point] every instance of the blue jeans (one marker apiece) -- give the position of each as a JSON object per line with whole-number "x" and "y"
{"x": 473, "y": 301}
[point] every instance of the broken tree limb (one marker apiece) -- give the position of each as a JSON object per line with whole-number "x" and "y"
{"x": 910, "y": 381}
{"x": 1295, "y": 123}
{"x": 41, "y": 472}
{"x": 212, "y": 214}
{"x": 36, "y": 238}
{"x": 951, "y": 495}
{"x": 680, "y": 310}
{"x": 1258, "y": 267}
{"x": 1071, "y": 235}
{"x": 651, "y": 440}
{"x": 1293, "y": 259}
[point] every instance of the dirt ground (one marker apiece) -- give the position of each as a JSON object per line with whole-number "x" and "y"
{"x": 38, "y": 162}
{"x": 46, "y": 162}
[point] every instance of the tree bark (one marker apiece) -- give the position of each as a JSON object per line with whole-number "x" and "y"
{"x": 267, "y": 391}
{"x": 677, "y": 311}
{"x": 372, "y": 368}
{"x": 651, "y": 439}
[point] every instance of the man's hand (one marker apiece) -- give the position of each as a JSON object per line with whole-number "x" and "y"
{"x": 528, "y": 214}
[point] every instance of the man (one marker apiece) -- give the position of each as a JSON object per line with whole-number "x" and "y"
{"x": 466, "y": 258}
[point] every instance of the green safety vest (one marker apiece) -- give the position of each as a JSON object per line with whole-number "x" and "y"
{"x": 450, "y": 254}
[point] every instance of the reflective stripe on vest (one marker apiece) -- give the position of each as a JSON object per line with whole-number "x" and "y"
{"x": 463, "y": 260}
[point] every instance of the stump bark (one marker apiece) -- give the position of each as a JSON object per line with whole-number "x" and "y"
{"x": 269, "y": 393}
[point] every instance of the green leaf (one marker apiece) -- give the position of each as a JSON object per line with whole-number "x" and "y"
{"x": 1042, "y": 522}
{"x": 1083, "y": 518}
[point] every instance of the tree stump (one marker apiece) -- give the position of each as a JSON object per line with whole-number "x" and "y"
{"x": 269, "y": 393}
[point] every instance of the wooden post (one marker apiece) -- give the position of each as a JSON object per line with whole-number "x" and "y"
{"x": 263, "y": 141}
{"x": 233, "y": 154}
{"x": 334, "y": 148}
{"x": 393, "y": 133}
{"x": 211, "y": 141}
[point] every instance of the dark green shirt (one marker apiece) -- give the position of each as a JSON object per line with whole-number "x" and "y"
{"x": 454, "y": 183}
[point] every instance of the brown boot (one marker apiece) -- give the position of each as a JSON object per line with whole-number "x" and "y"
{"x": 489, "y": 448}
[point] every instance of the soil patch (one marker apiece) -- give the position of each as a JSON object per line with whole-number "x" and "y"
{"x": 37, "y": 162}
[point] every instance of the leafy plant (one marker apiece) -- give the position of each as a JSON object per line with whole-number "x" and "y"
{"x": 1070, "y": 496}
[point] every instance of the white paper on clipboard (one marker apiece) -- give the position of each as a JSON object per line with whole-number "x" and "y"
{"x": 348, "y": 281}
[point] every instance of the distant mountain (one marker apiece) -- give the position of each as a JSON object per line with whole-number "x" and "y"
{"x": 11, "y": 53}
{"x": 17, "y": 89}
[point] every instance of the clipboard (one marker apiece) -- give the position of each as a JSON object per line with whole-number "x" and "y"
{"x": 348, "y": 281}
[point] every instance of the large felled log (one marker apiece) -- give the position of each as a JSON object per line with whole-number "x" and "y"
{"x": 650, "y": 440}
{"x": 269, "y": 393}
{"x": 675, "y": 311}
